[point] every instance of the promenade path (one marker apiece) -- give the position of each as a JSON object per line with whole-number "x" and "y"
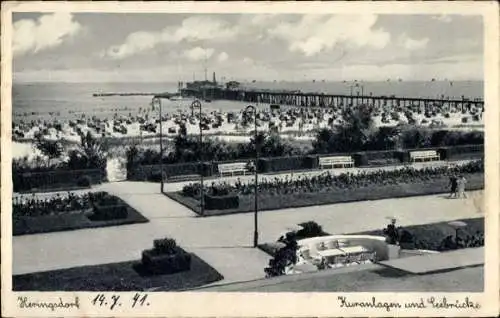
{"x": 222, "y": 241}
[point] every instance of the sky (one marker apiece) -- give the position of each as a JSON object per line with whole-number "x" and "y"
{"x": 162, "y": 47}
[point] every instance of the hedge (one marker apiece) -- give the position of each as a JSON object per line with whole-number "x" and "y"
{"x": 153, "y": 172}
{"x": 291, "y": 163}
{"x": 461, "y": 151}
{"x": 231, "y": 201}
{"x": 281, "y": 164}
{"x": 34, "y": 181}
{"x": 376, "y": 158}
{"x": 109, "y": 212}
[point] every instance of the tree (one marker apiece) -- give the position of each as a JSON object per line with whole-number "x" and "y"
{"x": 50, "y": 148}
{"x": 90, "y": 154}
{"x": 385, "y": 138}
{"x": 352, "y": 134}
{"x": 284, "y": 257}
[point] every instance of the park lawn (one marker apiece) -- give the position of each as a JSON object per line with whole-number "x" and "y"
{"x": 24, "y": 225}
{"x": 123, "y": 276}
{"x": 371, "y": 192}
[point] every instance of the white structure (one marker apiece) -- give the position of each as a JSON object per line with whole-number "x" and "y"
{"x": 336, "y": 251}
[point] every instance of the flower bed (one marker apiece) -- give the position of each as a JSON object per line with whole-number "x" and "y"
{"x": 90, "y": 210}
{"x": 328, "y": 189}
{"x": 431, "y": 236}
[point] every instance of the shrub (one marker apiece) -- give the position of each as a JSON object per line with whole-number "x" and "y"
{"x": 310, "y": 229}
{"x": 107, "y": 207}
{"x": 84, "y": 181}
{"x": 460, "y": 151}
{"x": 219, "y": 189}
{"x": 165, "y": 246}
{"x": 311, "y": 162}
{"x": 191, "y": 190}
{"x": 280, "y": 164}
{"x": 284, "y": 257}
{"x": 34, "y": 207}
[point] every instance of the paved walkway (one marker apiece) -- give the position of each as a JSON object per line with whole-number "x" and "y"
{"x": 432, "y": 263}
{"x": 223, "y": 241}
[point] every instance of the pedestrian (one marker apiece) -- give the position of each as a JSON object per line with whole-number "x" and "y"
{"x": 453, "y": 184}
{"x": 461, "y": 187}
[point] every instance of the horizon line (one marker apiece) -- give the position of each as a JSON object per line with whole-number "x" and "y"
{"x": 250, "y": 81}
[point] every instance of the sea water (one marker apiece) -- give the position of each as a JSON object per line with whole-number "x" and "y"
{"x": 67, "y": 100}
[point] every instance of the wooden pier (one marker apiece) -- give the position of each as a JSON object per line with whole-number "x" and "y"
{"x": 301, "y": 99}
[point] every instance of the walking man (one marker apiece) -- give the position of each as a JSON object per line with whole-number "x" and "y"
{"x": 453, "y": 186}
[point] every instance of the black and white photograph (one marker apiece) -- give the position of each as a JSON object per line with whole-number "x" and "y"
{"x": 249, "y": 152}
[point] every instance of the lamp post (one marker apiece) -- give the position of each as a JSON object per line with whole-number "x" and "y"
{"x": 253, "y": 109}
{"x": 157, "y": 102}
{"x": 197, "y": 104}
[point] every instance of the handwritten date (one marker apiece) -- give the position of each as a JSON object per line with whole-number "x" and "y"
{"x": 113, "y": 301}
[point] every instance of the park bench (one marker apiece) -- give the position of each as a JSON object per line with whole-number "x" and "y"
{"x": 232, "y": 168}
{"x": 424, "y": 155}
{"x": 342, "y": 161}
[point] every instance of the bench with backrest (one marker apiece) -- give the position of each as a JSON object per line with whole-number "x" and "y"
{"x": 232, "y": 168}
{"x": 424, "y": 155}
{"x": 336, "y": 161}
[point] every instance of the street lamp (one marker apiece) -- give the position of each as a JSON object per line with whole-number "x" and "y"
{"x": 197, "y": 104}
{"x": 157, "y": 102}
{"x": 253, "y": 109}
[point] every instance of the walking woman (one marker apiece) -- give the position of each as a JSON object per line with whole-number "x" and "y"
{"x": 461, "y": 187}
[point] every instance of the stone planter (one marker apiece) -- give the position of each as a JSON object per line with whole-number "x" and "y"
{"x": 158, "y": 263}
